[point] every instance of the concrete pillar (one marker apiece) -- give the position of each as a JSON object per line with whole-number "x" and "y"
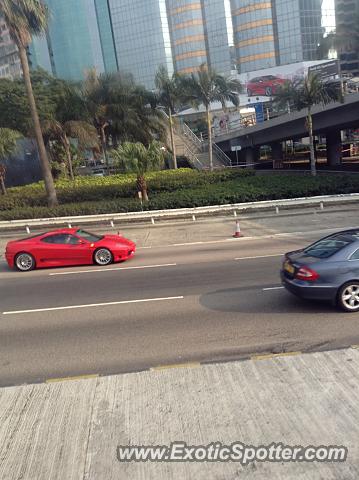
{"x": 334, "y": 148}
{"x": 277, "y": 154}
{"x": 251, "y": 156}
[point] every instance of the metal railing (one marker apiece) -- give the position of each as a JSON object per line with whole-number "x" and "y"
{"x": 192, "y": 157}
{"x": 188, "y": 133}
{"x": 221, "y": 155}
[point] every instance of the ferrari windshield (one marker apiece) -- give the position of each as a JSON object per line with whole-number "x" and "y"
{"x": 90, "y": 237}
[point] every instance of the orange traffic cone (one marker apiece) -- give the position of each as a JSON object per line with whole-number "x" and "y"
{"x": 237, "y": 232}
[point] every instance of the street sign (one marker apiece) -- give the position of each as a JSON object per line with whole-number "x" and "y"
{"x": 236, "y": 148}
{"x": 259, "y": 112}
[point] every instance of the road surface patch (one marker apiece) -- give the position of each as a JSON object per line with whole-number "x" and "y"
{"x": 175, "y": 365}
{"x": 67, "y": 379}
{"x": 274, "y": 355}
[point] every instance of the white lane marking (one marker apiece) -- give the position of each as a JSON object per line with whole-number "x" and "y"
{"x": 260, "y": 256}
{"x": 272, "y": 288}
{"x": 226, "y": 240}
{"x": 70, "y": 307}
{"x": 113, "y": 269}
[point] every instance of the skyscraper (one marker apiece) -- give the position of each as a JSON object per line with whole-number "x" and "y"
{"x": 141, "y": 38}
{"x": 254, "y": 34}
{"x": 199, "y": 35}
{"x": 299, "y": 29}
{"x": 10, "y": 66}
{"x": 73, "y": 40}
{"x": 347, "y": 18}
{"x": 276, "y": 32}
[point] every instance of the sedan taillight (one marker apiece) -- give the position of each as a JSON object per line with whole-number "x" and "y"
{"x": 306, "y": 273}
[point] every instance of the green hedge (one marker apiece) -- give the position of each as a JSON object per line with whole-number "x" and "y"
{"x": 87, "y": 189}
{"x": 227, "y": 189}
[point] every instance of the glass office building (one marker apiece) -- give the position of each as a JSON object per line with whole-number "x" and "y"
{"x": 141, "y": 37}
{"x": 276, "y": 32}
{"x": 199, "y": 35}
{"x": 106, "y": 35}
{"x": 254, "y": 34}
{"x": 73, "y": 40}
{"x": 347, "y": 14}
{"x": 299, "y": 29}
{"x": 10, "y": 66}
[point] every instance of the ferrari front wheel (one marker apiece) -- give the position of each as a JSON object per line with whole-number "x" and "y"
{"x": 24, "y": 262}
{"x": 103, "y": 256}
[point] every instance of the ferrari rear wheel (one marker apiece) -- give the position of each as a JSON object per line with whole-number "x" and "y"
{"x": 103, "y": 256}
{"x": 24, "y": 262}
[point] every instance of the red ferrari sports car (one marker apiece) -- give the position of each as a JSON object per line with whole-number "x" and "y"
{"x": 267, "y": 85}
{"x": 68, "y": 246}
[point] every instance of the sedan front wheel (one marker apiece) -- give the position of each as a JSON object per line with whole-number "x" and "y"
{"x": 103, "y": 256}
{"x": 348, "y": 297}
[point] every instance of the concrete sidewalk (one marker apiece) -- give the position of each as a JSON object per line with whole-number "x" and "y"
{"x": 70, "y": 429}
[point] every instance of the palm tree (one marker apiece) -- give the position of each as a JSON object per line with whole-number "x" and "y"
{"x": 207, "y": 86}
{"x": 85, "y": 133}
{"x": 169, "y": 96}
{"x": 25, "y": 18}
{"x": 136, "y": 158}
{"x": 305, "y": 94}
{"x": 121, "y": 109}
{"x": 8, "y": 144}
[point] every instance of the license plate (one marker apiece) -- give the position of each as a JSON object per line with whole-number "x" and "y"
{"x": 288, "y": 267}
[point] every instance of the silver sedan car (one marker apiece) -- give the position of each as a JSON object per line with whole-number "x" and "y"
{"x": 326, "y": 270}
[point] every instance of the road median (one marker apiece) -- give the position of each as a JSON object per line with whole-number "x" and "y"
{"x": 267, "y": 207}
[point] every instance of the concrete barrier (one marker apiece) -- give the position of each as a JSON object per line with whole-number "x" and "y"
{"x": 152, "y": 215}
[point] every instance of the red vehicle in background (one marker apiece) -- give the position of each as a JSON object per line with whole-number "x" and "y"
{"x": 67, "y": 246}
{"x": 267, "y": 85}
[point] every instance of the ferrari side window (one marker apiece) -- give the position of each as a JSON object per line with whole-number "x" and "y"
{"x": 72, "y": 240}
{"x": 61, "y": 239}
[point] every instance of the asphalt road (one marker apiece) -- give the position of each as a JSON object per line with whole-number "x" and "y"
{"x": 203, "y": 302}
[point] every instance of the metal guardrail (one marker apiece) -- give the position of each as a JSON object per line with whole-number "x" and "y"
{"x": 268, "y": 205}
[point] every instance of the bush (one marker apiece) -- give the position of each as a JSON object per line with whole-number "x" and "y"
{"x": 89, "y": 189}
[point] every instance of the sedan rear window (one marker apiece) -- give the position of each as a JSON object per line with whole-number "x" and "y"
{"x": 328, "y": 246}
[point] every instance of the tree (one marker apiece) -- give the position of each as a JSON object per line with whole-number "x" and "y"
{"x": 305, "y": 94}
{"x": 70, "y": 121}
{"x": 25, "y": 18}
{"x": 122, "y": 110}
{"x": 8, "y": 144}
{"x": 136, "y": 158}
{"x": 83, "y": 132}
{"x": 49, "y": 92}
{"x": 207, "y": 86}
{"x": 169, "y": 96}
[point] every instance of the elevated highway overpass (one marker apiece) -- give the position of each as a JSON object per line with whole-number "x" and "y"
{"x": 328, "y": 120}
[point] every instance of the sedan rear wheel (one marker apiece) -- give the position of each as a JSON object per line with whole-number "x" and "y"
{"x": 103, "y": 256}
{"x": 349, "y": 297}
{"x": 24, "y": 262}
